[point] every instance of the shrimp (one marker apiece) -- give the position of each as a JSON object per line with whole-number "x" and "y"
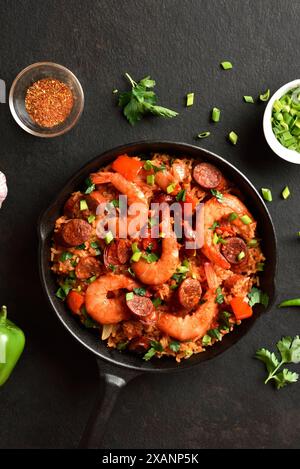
{"x": 159, "y": 272}
{"x": 134, "y": 194}
{"x": 175, "y": 175}
{"x": 192, "y": 326}
{"x": 214, "y": 211}
{"x": 108, "y": 310}
{"x": 135, "y": 197}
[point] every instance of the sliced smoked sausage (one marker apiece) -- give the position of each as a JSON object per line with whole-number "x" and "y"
{"x": 189, "y": 293}
{"x": 75, "y": 232}
{"x": 116, "y": 253}
{"x": 233, "y": 247}
{"x": 207, "y": 175}
{"x": 140, "y": 306}
{"x": 87, "y": 267}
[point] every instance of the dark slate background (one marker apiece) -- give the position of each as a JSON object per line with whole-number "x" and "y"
{"x": 222, "y": 403}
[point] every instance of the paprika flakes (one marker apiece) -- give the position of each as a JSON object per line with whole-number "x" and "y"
{"x": 49, "y": 102}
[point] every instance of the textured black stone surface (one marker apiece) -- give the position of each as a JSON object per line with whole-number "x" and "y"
{"x": 222, "y": 403}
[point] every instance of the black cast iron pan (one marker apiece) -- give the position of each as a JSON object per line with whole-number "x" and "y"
{"x": 118, "y": 368}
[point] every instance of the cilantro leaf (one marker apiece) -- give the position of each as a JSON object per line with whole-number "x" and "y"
{"x": 174, "y": 346}
{"x": 289, "y": 349}
{"x": 257, "y": 296}
{"x": 268, "y": 358}
{"x": 140, "y": 291}
{"x": 140, "y": 101}
{"x": 147, "y": 82}
{"x": 285, "y": 377}
{"x": 155, "y": 347}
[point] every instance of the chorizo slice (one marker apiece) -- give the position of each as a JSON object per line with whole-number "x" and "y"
{"x": 233, "y": 247}
{"x": 140, "y": 306}
{"x": 207, "y": 175}
{"x": 189, "y": 293}
{"x": 75, "y": 232}
{"x": 116, "y": 253}
{"x": 87, "y": 267}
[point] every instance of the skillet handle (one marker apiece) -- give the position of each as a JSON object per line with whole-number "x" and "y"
{"x": 104, "y": 404}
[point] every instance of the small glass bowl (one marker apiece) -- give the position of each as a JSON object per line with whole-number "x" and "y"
{"x": 25, "y": 79}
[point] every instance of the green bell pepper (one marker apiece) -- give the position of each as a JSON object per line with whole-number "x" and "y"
{"x": 12, "y": 341}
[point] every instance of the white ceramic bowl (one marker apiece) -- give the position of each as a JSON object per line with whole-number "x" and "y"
{"x": 289, "y": 155}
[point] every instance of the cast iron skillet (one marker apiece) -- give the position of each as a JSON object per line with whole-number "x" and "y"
{"x": 118, "y": 368}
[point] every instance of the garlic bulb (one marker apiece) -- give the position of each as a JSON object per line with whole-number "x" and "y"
{"x": 3, "y": 188}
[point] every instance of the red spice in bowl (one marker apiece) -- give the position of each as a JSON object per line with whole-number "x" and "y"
{"x": 49, "y": 102}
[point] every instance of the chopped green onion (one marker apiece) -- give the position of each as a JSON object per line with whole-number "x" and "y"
{"x": 150, "y": 257}
{"x": 65, "y": 256}
{"x": 92, "y": 279}
{"x": 108, "y": 237}
{"x": 215, "y": 114}
{"x": 81, "y": 246}
{"x": 248, "y": 99}
{"x": 215, "y": 238}
{"x": 90, "y": 187}
{"x": 186, "y": 263}
{"x": 285, "y": 193}
{"x": 265, "y": 96}
{"x": 246, "y": 220}
{"x": 156, "y": 302}
{"x": 148, "y": 165}
{"x": 91, "y": 218}
{"x": 233, "y": 138}
{"x": 181, "y": 195}
{"x": 218, "y": 195}
{"x": 252, "y": 243}
{"x": 136, "y": 256}
{"x": 233, "y": 216}
{"x": 171, "y": 188}
{"x": 260, "y": 266}
{"x": 267, "y": 194}
{"x": 115, "y": 203}
{"x": 130, "y": 271}
{"x": 203, "y": 135}
{"x": 83, "y": 205}
{"x": 150, "y": 179}
{"x": 214, "y": 225}
{"x": 135, "y": 247}
{"x": 190, "y": 99}
{"x": 215, "y": 334}
{"x": 174, "y": 346}
{"x": 129, "y": 296}
{"x": 206, "y": 340}
{"x": 183, "y": 269}
{"x": 226, "y": 65}
{"x": 241, "y": 255}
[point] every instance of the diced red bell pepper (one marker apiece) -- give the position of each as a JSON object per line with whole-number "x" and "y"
{"x": 240, "y": 308}
{"x": 127, "y": 166}
{"x": 74, "y": 301}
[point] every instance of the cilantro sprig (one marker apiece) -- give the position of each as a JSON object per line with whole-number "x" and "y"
{"x": 141, "y": 100}
{"x": 289, "y": 350}
{"x": 155, "y": 347}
